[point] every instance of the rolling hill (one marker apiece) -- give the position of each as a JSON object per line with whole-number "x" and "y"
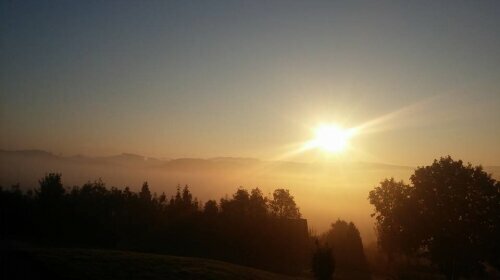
{"x": 104, "y": 264}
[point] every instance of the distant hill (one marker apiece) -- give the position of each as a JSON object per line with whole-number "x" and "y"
{"x": 189, "y": 164}
{"x": 103, "y": 264}
{"x": 28, "y": 153}
{"x": 495, "y": 170}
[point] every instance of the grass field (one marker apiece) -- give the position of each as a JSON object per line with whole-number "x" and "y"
{"x": 107, "y": 264}
{"x": 62, "y": 263}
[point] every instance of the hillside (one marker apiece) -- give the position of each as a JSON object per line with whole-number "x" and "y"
{"x": 106, "y": 264}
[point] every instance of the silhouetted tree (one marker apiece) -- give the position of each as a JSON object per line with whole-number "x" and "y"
{"x": 187, "y": 197}
{"x": 323, "y": 262}
{"x": 211, "y": 208}
{"x": 257, "y": 203}
{"x": 347, "y": 246}
{"x": 395, "y": 210}
{"x": 283, "y": 205}
{"x": 451, "y": 213}
{"x": 145, "y": 193}
{"x": 183, "y": 203}
{"x": 16, "y": 213}
{"x": 238, "y": 206}
{"x": 51, "y": 188}
{"x": 162, "y": 199}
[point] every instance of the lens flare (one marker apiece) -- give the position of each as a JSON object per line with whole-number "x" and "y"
{"x": 331, "y": 138}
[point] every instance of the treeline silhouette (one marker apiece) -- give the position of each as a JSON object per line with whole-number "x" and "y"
{"x": 448, "y": 217}
{"x": 247, "y": 228}
{"x": 340, "y": 249}
{"x": 347, "y": 246}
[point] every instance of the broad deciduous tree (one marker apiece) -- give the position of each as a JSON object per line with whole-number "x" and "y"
{"x": 450, "y": 212}
{"x": 283, "y": 205}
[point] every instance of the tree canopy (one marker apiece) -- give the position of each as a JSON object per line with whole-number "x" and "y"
{"x": 243, "y": 228}
{"x": 347, "y": 246}
{"x": 450, "y": 214}
{"x": 323, "y": 262}
{"x": 283, "y": 205}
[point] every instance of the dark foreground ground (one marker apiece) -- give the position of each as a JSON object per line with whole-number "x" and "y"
{"x": 106, "y": 264}
{"x": 62, "y": 263}
{"x": 27, "y": 262}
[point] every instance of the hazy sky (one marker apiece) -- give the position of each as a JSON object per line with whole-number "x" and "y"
{"x": 250, "y": 78}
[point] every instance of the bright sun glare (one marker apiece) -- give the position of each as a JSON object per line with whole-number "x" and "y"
{"x": 332, "y": 138}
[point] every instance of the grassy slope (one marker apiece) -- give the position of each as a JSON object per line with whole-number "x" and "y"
{"x": 105, "y": 264}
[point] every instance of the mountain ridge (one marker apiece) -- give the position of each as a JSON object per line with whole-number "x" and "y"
{"x": 140, "y": 158}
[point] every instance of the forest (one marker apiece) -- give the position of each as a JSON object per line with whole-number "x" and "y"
{"x": 446, "y": 221}
{"x": 247, "y": 228}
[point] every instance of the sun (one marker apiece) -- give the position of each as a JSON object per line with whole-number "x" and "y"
{"x": 332, "y": 138}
